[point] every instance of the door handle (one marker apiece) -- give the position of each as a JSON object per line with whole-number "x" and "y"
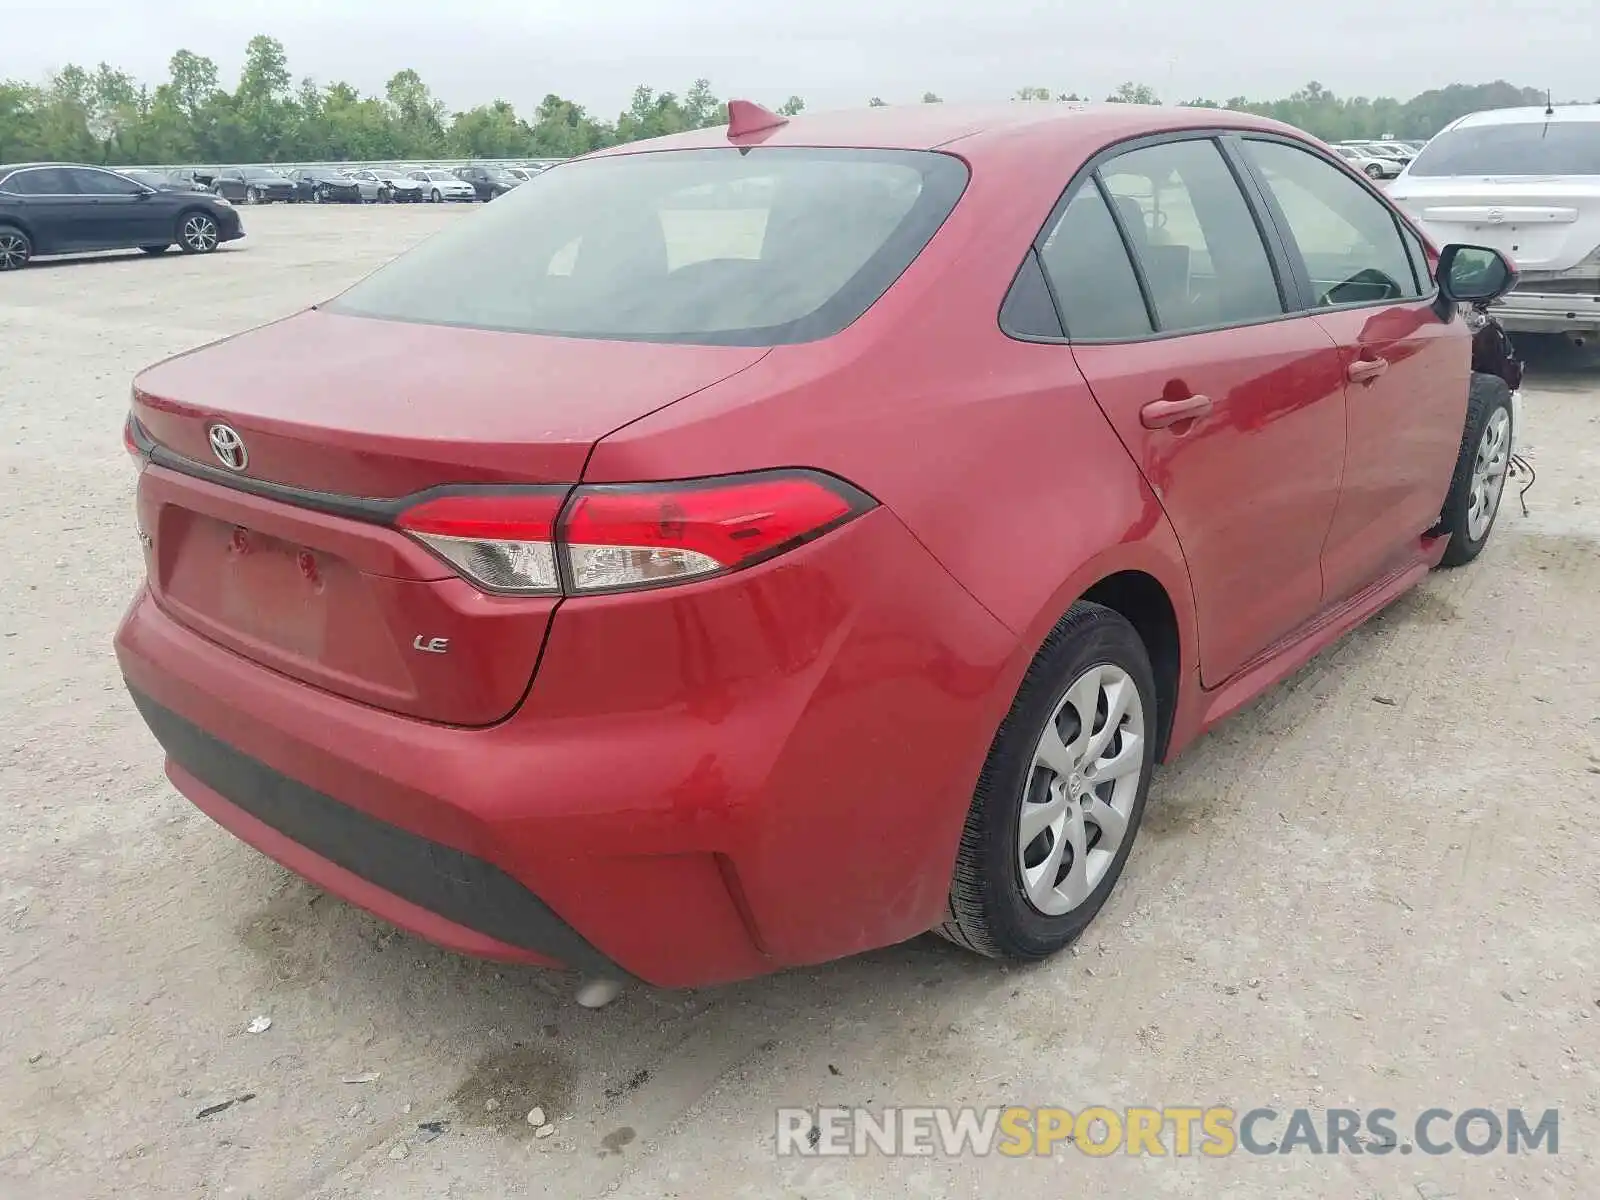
{"x": 1158, "y": 414}
{"x": 1365, "y": 370}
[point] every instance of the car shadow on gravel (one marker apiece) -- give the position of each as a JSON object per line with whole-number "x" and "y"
{"x": 112, "y": 256}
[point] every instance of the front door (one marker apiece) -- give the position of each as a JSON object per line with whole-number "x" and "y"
{"x": 1233, "y": 409}
{"x": 1368, "y": 283}
{"x": 118, "y": 212}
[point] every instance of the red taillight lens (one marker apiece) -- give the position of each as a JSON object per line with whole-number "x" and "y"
{"x": 503, "y": 541}
{"x": 617, "y": 537}
{"x": 135, "y": 441}
{"x": 622, "y": 537}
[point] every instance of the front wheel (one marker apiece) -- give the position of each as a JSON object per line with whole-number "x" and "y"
{"x": 252, "y": 195}
{"x": 1061, "y": 795}
{"x": 1374, "y": 171}
{"x": 1480, "y": 475}
{"x": 15, "y": 248}
{"x": 197, "y": 233}
{"x": 437, "y": 197}
{"x": 385, "y": 196}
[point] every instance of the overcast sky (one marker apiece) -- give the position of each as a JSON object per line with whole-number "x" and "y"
{"x": 836, "y": 53}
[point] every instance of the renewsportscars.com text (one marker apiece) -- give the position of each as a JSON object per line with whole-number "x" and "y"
{"x": 1213, "y": 1132}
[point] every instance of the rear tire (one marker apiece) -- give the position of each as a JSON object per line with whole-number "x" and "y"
{"x": 1010, "y": 899}
{"x": 153, "y": 249}
{"x": 16, "y": 248}
{"x": 1478, "y": 485}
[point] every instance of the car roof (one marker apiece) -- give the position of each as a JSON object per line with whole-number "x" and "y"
{"x": 91, "y": 166}
{"x": 974, "y": 129}
{"x": 1534, "y": 114}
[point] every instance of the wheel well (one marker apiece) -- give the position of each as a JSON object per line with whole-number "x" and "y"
{"x": 1143, "y": 601}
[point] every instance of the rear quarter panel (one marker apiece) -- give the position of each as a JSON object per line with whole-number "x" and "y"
{"x": 991, "y": 450}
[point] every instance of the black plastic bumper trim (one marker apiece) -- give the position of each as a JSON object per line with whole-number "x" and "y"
{"x": 457, "y": 886}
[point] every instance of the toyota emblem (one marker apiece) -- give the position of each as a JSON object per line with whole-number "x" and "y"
{"x": 228, "y": 446}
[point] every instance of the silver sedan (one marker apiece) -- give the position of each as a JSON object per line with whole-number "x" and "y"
{"x": 384, "y": 185}
{"x": 439, "y": 186}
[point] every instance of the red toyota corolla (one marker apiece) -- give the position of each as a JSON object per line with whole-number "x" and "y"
{"x": 759, "y": 545}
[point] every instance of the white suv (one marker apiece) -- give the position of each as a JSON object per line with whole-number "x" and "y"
{"x": 1525, "y": 181}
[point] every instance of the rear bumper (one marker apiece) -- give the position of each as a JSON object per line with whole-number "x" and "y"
{"x": 1532, "y": 312}
{"x": 445, "y": 895}
{"x": 706, "y": 783}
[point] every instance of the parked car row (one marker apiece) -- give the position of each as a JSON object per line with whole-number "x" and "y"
{"x": 1378, "y": 159}
{"x": 339, "y": 185}
{"x": 73, "y": 208}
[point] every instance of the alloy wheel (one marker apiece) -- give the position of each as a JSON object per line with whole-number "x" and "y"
{"x": 200, "y": 233}
{"x": 252, "y": 196}
{"x": 14, "y": 250}
{"x": 1081, "y": 791}
{"x": 1489, "y": 474}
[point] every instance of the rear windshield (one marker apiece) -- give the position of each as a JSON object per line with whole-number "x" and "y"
{"x": 1525, "y": 148}
{"x": 753, "y": 248}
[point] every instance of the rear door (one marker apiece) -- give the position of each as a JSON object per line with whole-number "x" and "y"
{"x": 1364, "y": 275}
{"x": 51, "y": 207}
{"x": 1232, "y": 407}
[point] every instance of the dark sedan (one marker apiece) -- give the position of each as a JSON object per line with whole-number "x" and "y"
{"x": 198, "y": 179}
{"x": 164, "y": 181}
{"x": 487, "y": 182}
{"x": 65, "y": 208}
{"x": 323, "y": 185}
{"x": 253, "y": 185}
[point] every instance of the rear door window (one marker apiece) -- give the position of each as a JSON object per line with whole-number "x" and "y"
{"x": 723, "y": 246}
{"x": 39, "y": 181}
{"x": 1088, "y": 267}
{"x": 1349, "y": 239}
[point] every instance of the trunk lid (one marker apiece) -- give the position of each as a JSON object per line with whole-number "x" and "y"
{"x": 1545, "y": 225}
{"x": 277, "y": 564}
{"x": 357, "y": 406}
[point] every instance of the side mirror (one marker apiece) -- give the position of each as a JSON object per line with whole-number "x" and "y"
{"x": 1474, "y": 274}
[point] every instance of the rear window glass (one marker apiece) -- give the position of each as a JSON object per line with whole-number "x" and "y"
{"x": 752, "y": 248}
{"x": 1526, "y": 148}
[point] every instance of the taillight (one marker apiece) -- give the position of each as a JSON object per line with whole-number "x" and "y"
{"x": 504, "y": 541}
{"x": 613, "y": 537}
{"x": 135, "y": 441}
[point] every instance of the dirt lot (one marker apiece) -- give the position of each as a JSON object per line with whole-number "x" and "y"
{"x": 1377, "y": 887}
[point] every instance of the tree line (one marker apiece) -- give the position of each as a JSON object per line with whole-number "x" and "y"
{"x": 106, "y": 116}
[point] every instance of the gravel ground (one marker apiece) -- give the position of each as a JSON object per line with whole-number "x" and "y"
{"x": 1375, "y": 887}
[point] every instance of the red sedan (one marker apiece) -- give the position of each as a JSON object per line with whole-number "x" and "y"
{"x": 763, "y": 544}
